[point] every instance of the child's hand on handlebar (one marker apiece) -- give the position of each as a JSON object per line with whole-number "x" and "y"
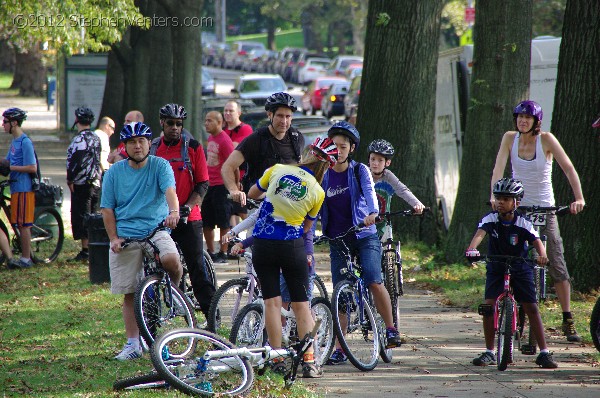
{"x": 472, "y": 255}
{"x": 541, "y": 260}
{"x": 418, "y": 209}
{"x": 370, "y": 219}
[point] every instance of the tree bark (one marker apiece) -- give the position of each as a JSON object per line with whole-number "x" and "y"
{"x": 501, "y": 69}
{"x": 576, "y": 103}
{"x": 29, "y": 76}
{"x": 397, "y": 97}
{"x": 7, "y": 57}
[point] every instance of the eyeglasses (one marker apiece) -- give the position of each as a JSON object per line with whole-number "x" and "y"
{"x": 174, "y": 123}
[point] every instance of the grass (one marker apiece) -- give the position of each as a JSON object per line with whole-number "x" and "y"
{"x": 5, "y": 82}
{"x": 287, "y": 38}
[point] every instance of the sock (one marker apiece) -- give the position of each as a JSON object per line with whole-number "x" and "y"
{"x": 309, "y": 357}
{"x": 567, "y": 315}
{"x": 544, "y": 351}
{"x": 134, "y": 342}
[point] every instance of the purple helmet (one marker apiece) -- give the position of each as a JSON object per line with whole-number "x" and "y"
{"x": 529, "y": 108}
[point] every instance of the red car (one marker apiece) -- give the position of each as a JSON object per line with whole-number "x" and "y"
{"x": 311, "y": 100}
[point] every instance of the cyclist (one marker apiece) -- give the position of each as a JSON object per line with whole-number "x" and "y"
{"x": 292, "y": 202}
{"x": 509, "y": 234}
{"x": 137, "y": 194}
{"x": 531, "y": 153}
{"x": 350, "y": 199}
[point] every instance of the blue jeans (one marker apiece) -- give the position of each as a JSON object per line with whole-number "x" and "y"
{"x": 369, "y": 251}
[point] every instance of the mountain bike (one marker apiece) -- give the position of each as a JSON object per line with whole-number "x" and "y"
{"x": 47, "y": 231}
{"x": 358, "y": 327}
{"x": 214, "y": 366}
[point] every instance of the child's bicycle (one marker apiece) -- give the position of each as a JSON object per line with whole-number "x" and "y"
{"x": 391, "y": 259}
{"x": 198, "y": 362}
{"x": 47, "y": 231}
{"x": 509, "y": 318}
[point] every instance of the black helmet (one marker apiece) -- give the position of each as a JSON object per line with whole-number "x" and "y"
{"x": 509, "y": 187}
{"x": 15, "y": 114}
{"x": 173, "y": 111}
{"x": 344, "y": 128}
{"x": 382, "y": 147}
{"x": 277, "y": 100}
{"x": 84, "y": 115}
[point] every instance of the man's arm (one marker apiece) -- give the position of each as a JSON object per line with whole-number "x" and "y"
{"x": 110, "y": 224}
{"x": 228, "y": 171}
{"x": 173, "y": 217}
{"x": 197, "y": 195}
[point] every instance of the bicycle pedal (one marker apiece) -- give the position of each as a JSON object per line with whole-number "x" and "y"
{"x": 527, "y": 349}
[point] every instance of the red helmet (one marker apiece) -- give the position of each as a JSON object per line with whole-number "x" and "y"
{"x": 325, "y": 150}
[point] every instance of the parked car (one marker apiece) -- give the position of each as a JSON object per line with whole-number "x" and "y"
{"x": 311, "y": 100}
{"x": 351, "y": 99}
{"x": 267, "y": 59}
{"x": 353, "y": 70}
{"x": 208, "y": 83}
{"x": 302, "y": 60}
{"x": 282, "y": 60}
{"x": 221, "y": 49}
{"x": 290, "y": 63}
{"x": 234, "y": 58}
{"x": 251, "y": 60}
{"x": 257, "y": 87}
{"x": 338, "y": 65}
{"x": 332, "y": 103}
{"x": 312, "y": 68}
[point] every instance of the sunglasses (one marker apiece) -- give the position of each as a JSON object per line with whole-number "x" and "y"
{"x": 174, "y": 123}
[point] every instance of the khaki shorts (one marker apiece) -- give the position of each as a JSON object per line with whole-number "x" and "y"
{"x": 126, "y": 269}
{"x": 557, "y": 267}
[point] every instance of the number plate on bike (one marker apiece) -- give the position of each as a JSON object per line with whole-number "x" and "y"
{"x": 538, "y": 219}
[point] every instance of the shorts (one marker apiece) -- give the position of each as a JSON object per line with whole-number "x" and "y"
{"x": 237, "y": 208}
{"x": 288, "y": 256}
{"x": 369, "y": 251}
{"x": 126, "y": 269}
{"x": 557, "y": 267}
{"x": 285, "y": 292}
{"x": 521, "y": 281}
{"x": 22, "y": 209}
{"x": 216, "y": 208}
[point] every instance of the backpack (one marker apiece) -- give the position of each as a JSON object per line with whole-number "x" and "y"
{"x": 185, "y": 156}
{"x": 357, "y": 176}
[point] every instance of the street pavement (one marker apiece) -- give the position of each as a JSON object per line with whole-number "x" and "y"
{"x": 441, "y": 341}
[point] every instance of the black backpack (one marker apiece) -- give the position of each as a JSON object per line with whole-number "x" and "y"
{"x": 185, "y": 157}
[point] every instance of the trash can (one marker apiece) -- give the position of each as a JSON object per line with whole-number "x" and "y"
{"x": 99, "y": 245}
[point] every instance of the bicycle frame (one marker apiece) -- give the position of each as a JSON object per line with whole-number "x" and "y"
{"x": 506, "y": 294}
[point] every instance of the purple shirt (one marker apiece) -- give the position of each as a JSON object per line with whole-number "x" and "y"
{"x": 337, "y": 197}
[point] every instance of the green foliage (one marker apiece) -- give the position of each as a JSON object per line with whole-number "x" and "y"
{"x": 288, "y": 38}
{"x": 383, "y": 19}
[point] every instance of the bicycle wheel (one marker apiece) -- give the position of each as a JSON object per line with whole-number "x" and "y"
{"x": 226, "y": 303}
{"x": 354, "y": 326}
{"x": 248, "y": 328}
{"x": 153, "y": 313}
{"x": 47, "y": 236}
{"x": 149, "y": 380}
{"x": 595, "y": 325}
{"x": 505, "y": 334}
{"x": 325, "y": 338}
{"x": 391, "y": 282}
{"x": 186, "y": 285}
{"x": 386, "y": 354}
{"x": 319, "y": 289}
{"x": 210, "y": 268}
{"x": 5, "y": 229}
{"x": 191, "y": 373}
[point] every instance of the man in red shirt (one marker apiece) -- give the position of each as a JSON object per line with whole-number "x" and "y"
{"x": 216, "y": 208}
{"x": 191, "y": 181}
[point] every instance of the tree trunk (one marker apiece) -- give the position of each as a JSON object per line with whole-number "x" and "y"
{"x": 501, "y": 59}
{"x": 397, "y": 98}
{"x": 7, "y": 57}
{"x": 30, "y": 74}
{"x": 576, "y": 103}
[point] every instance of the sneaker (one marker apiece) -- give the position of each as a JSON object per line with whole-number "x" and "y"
{"x": 311, "y": 371}
{"x": 568, "y": 329}
{"x": 81, "y": 256}
{"x": 392, "y": 338}
{"x": 25, "y": 263}
{"x": 486, "y": 358}
{"x": 545, "y": 361}
{"x": 337, "y": 357}
{"x": 13, "y": 263}
{"x": 129, "y": 352}
{"x": 220, "y": 257}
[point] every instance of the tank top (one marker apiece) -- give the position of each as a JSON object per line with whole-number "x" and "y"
{"x": 535, "y": 174}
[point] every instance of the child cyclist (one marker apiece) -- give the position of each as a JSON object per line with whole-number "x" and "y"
{"x": 509, "y": 234}
{"x": 386, "y": 183}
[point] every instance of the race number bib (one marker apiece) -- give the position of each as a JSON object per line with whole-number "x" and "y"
{"x": 538, "y": 219}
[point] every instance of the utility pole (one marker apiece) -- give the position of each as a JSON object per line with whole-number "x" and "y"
{"x": 221, "y": 18}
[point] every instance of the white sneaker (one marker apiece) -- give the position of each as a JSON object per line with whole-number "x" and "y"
{"x": 129, "y": 352}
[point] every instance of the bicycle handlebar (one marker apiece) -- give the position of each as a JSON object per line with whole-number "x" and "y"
{"x": 405, "y": 213}
{"x": 250, "y": 203}
{"x": 559, "y": 210}
{"x": 507, "y": 260}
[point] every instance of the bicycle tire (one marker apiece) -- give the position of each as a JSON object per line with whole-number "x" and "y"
{"x": 148, "y": 380}
{"x": 152, "y": 314}
{"x": 325, "y": 339}
{"x": 230, "y": 375}
{"x": 595, "y": 325}
{"x": 505, "y": 334}
{"x": 209, "y": 266}
{"x": 226, "y": 303}
{"x": 248, "y": 329}
{"x": 47, "y": 236}
{"x": 319, "y": 289}
{"x": 391, "y": 282}
{"x": 360, "y": 341}
{"x": 5, "y": 229}
{"x": 386, "y": 354}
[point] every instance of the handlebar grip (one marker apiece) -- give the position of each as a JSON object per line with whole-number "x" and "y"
{"x": 563, "y": 210}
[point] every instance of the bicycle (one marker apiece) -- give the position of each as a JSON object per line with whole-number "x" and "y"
{"x": 391, "y": 259}
{"x": 47, "y": 231}
{"x": 358, "y": 327}
{"x": 214, "y": 366}
{"x": 186, "y": 284}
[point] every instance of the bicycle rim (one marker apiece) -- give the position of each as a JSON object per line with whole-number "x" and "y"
{"x": 595, "y": 325}
{"x": 248, "y": 327}
{"x": 505, "y": 334}
{"x": 226, "y": 303}
{"x": 324, "y": 340}
{"x": 355, "y": 329}
{"x": 47, "y": 236}
{"x": 149, "y": 380}
{"x": 391, "y": 283}
{"x": 152, "y": 314}
{"x": 229, "y": 375}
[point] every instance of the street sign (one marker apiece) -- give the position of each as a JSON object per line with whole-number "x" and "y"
{"x": 470, "y": 14}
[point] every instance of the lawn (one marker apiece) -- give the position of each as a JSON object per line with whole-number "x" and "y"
{"x": 287, "y": 38}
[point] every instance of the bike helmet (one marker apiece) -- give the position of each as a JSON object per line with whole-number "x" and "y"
{"x": 15, "y": 114}
{"x": 84, "y": 115}
{"x": 382, "y": 147}
{"x": 344, "y": 128}
{"x": 135, "y": 129}
{"x": 277, "y": 100}
{"x": 173, "y": 111}
{"x": 508, "y": 187}
{"x": 325, "y": 150}
{"x": 529, "y": 108}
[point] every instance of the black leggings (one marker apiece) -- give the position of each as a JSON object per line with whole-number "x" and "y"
{"x": 289, "y": 256}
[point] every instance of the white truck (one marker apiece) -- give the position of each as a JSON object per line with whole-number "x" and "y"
{"x": 452, "y": 99}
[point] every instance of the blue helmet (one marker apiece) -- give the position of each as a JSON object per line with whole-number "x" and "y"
{"x": 15, "y": 114}
{"x": 344, "y": 128}
{"x": 135, "y": 129}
